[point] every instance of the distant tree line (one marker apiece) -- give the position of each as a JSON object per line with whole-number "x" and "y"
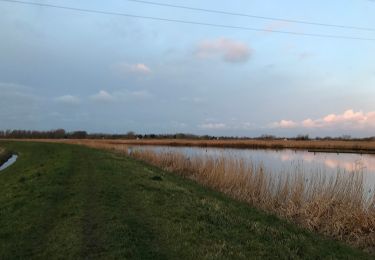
{"x": 62, "y": 134}
{"x": 51, "y": 134}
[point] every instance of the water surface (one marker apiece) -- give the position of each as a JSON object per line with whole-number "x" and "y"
{"x": 287, "y": 160}
{"x": 8, "y": 163}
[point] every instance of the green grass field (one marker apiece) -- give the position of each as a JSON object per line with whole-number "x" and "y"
{"x": 71, "y": 202}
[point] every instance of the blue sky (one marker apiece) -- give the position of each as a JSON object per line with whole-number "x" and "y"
{"x": 101, "y": 73}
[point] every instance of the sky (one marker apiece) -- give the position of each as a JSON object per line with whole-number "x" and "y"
{"x": 114, "y": 74}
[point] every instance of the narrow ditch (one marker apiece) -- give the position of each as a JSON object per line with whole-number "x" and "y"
{"x": 12, "y": 159}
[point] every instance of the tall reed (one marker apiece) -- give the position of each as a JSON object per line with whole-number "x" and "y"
{"x": 353, "y": 146}
{"x": 335, "y": 206}
{"x": 327, "y": 145}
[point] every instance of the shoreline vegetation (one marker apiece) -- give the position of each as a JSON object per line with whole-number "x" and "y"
{"x": 317, "y": 146}
{"x": 72, "y": 202}
{"x": 341, "y": 144}
{"x": 335, "y": 207}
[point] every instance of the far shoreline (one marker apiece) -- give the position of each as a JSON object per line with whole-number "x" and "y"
{"x": 315, "y": 146}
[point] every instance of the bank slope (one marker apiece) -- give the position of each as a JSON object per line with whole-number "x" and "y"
{"x": 65, "y": 201}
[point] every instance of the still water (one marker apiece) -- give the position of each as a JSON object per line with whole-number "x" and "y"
{"x": 286, "y": 160}
{"x": 8, "y": 163}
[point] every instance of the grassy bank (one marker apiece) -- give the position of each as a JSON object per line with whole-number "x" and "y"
{"x": 63, "y": 201}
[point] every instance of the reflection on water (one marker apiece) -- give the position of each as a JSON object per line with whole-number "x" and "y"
{"x": 281, "y": 161}
{"x": 9, "y": 162}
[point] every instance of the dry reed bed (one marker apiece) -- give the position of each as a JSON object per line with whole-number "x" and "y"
{"x": 349, "y": 145}
{"x": 336, "y": 206}
{"x": 360, "y": 146}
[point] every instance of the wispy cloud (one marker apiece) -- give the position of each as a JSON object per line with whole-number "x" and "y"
{"x": 212, "y": 126}
{"x": 286, "y": 124}
{"x": 68, "y": 99}
{"x": 232, "y": 124}
{"x": 121, "y": 95}
{"x": 143, "y": 94}
{"x": 196, "y": 100}
{"x": 228, "y": 50}
{"x": 132, "y": 95}
{"x": 347, "y": 120}
{"x": 102, "y": 96}
{"x": 124, "y": 68}
{"x": 16, "y": 89}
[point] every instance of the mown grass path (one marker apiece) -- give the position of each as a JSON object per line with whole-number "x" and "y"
{"x": 71, "y": 202}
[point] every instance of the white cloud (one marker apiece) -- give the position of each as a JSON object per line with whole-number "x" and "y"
{"x": 232, "y": 124}
{"x": 102, "y": 96}
{"x": 286, "y": 124}
{"x": 228, "y": 50}
{"x": 347, "y": 120}
{"x": 140, "y": 94}
{"x": 69, "y": 99}
{"x": 196, "y": 100}
{"x": 126, "y": 68}
{"x": 127, "y": 95}
{"x": 120, "y": 96}
{"x": 213, "y": 126}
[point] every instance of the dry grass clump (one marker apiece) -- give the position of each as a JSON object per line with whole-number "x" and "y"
{"x": 334, "y": 206}
{"x": 98, "y": 144}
